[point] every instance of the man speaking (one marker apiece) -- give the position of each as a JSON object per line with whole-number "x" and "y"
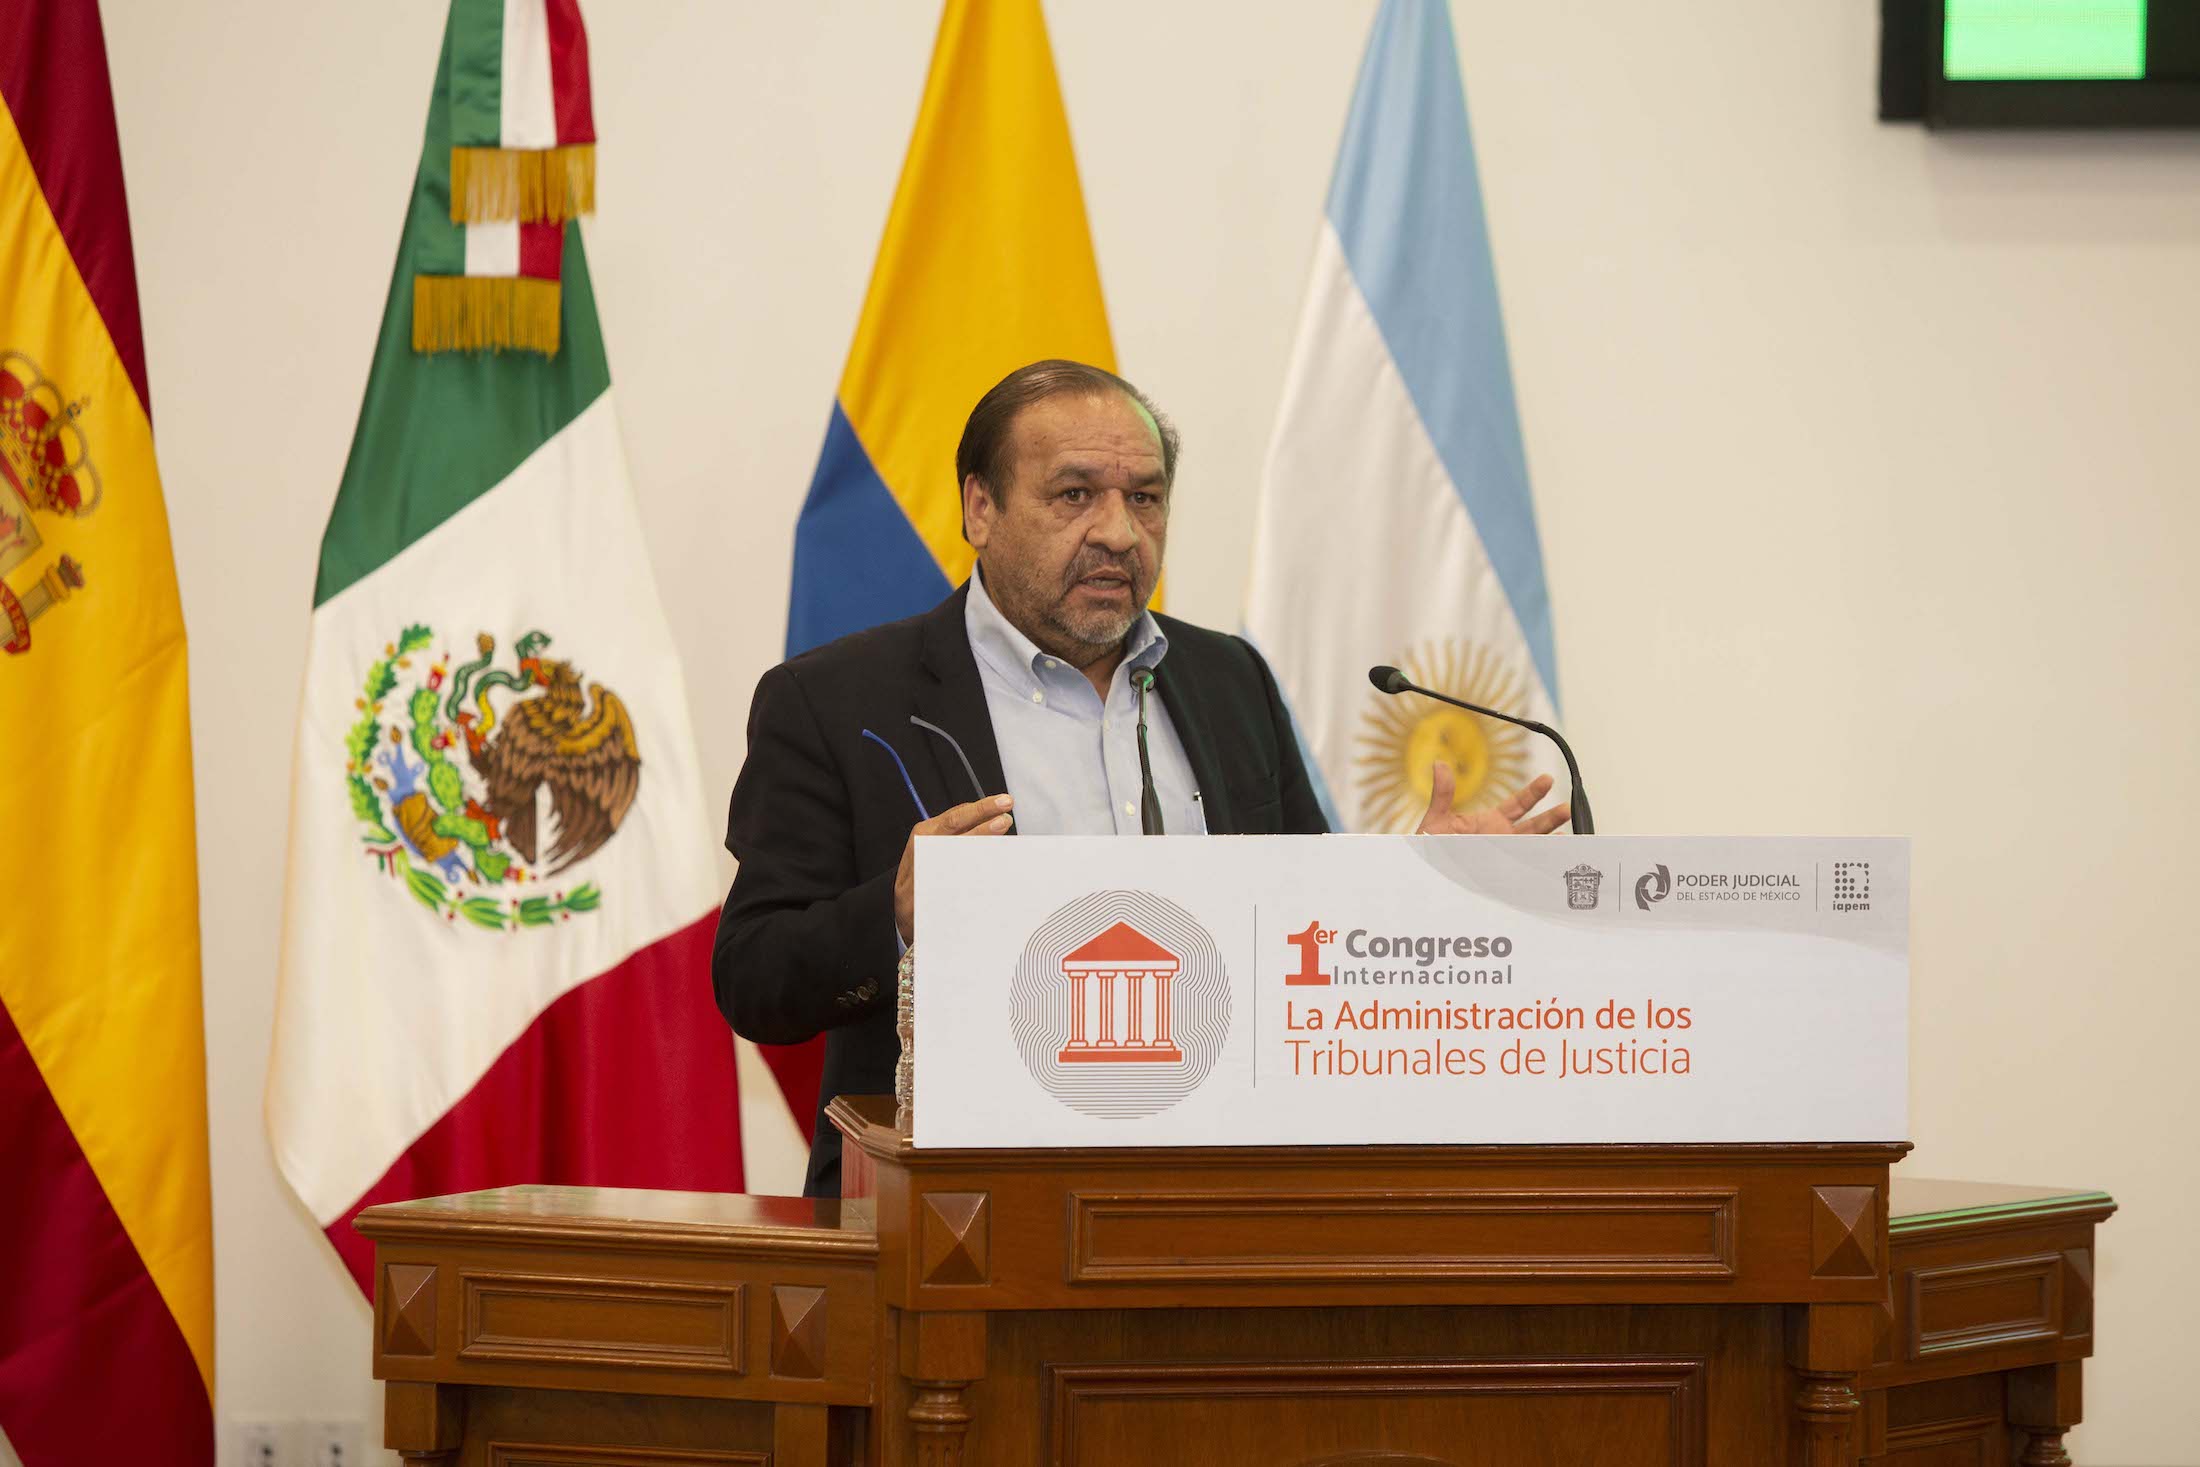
{"x": 1013, "y": 705}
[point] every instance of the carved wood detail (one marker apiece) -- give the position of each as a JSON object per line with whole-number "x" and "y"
{"x": 956, "y": 1238}
{"x": 1844, "y": 1232}
{"x": 1827, "y": 1414}
{"x": 798, "y": 1332}
{"x": 408, "y": 1309}
{"x": 1981, "y": 1306}
{"x": 940, "y": 1355}
{"x": 941, "y": 1420}
{"x": 514, "y": 1317}
{"x": 2044, "y": 1449}
{"x": 1402, "y": 1236}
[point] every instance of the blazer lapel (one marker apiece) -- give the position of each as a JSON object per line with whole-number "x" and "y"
{"x": 1194, "y": 731}
{"x": 950, "y": 696}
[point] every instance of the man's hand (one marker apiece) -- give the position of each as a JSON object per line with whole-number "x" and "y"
{"x": 1510, "y": 817}
{"x": 988, "y": 816}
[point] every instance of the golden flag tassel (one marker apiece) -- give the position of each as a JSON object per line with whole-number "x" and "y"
{"x": 532, "y": 185}
{"x": 485, "y": 313}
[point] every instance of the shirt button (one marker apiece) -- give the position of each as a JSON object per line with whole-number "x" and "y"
{"x": 1129, "y": 808}
{"x": 1052, "y": 663}
{"x": 1038, "y": 697}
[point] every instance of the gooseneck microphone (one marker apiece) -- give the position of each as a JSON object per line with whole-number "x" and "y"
{"x": 1390, "y": 680}
{"x": 1149, "y": 803}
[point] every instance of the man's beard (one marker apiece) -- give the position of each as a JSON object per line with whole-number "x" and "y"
{"x": 1096, "y": 633}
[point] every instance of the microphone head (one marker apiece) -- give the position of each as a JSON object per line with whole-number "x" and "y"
{"x": 1388, "y": 679}
{"x": 1142, "y": 678}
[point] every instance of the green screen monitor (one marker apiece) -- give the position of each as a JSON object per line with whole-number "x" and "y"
{"x": 2041, "y": 63}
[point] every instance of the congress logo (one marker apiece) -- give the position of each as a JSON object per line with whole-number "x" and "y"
{"x": 449, "y": 783}
{"x": 1653, "y": 886}
{"x": 1120, "y": 1004}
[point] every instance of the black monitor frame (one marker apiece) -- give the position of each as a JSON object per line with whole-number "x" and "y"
{"x": 1912, "y": 87}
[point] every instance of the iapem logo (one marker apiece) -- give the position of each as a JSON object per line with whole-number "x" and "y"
{"x": 1120, "y": 1004}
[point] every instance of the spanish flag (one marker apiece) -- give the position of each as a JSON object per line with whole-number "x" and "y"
{"x": 106, "y": 1248}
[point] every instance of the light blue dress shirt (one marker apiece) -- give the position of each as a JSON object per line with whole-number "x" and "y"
{"x": 1070, "y": 756}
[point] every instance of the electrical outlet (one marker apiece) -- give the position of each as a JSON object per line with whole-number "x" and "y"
{"x": 257, "y": 1444}
{"x": 334, "y": 1444}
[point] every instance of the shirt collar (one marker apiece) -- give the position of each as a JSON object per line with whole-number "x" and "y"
{"x": 1008, "y": 653}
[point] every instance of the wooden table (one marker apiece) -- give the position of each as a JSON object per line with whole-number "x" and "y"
{"x": 1477, "y": 1306}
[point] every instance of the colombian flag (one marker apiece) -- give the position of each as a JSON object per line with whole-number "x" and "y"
{"x": 106, "y": 1247}
{"x": 987, "y": 264}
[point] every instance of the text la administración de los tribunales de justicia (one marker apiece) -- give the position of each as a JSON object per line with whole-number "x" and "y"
{"x": 1339, "y": 1037}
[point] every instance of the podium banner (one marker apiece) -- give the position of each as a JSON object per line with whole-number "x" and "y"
{"x": 1310, "y": 990}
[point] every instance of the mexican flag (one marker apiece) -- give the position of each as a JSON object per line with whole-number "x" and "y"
{"x": 501, "y": 885}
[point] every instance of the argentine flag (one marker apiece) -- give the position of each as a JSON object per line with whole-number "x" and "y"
{"x": 1395, "y": 524}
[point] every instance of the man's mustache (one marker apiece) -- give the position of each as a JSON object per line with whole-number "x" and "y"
{"x": 1090, "y": 562}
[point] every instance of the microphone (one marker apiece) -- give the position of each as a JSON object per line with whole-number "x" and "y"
{"x": 1149, "y": 803}
{"x": 1390, "y": 680}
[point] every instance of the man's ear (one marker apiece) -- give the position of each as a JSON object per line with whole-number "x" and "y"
{"x": 979, "y": 512}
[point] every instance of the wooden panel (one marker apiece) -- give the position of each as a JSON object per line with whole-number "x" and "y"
{"x": 1155, "y": 1227}
{"x": 1746, "y": 1389}
{"x": 1972, "y": 1331}
{"x": 1978, "y": 1306}
{"x": 1982, "y": 1442}
{"x": 518, "y": 1427}
{"x": 547, "y": 1454}
{"x": 1612, "y": 1413}
{"x": 599, "y": 1321}
{"x": 1313, "y": 1236}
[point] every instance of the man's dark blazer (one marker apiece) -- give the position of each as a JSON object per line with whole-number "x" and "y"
{"x": 806, "y": 943}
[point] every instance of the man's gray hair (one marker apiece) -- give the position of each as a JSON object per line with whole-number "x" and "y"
{"x": 984, "y": 448}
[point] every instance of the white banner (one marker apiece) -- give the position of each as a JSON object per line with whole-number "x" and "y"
{"x": 1304, "y": 990}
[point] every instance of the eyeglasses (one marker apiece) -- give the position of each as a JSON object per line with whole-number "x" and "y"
{"x": 977, "y": 790}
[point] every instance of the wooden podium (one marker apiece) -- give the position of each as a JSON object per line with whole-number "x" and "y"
{"x": 1593, "y": 1306}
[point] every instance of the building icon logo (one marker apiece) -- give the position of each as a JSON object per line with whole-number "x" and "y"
{"x": 1122, "y": 954}
{"x": 1120, "y": 1004}
{"x": 1582, "y": 884}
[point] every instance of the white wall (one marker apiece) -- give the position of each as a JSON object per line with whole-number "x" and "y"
{"x": 1865, "y": 462}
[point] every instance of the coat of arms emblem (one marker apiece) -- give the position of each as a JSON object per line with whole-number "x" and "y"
{"x": 454, "y": 767}
{"x": 46, "y": 469}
